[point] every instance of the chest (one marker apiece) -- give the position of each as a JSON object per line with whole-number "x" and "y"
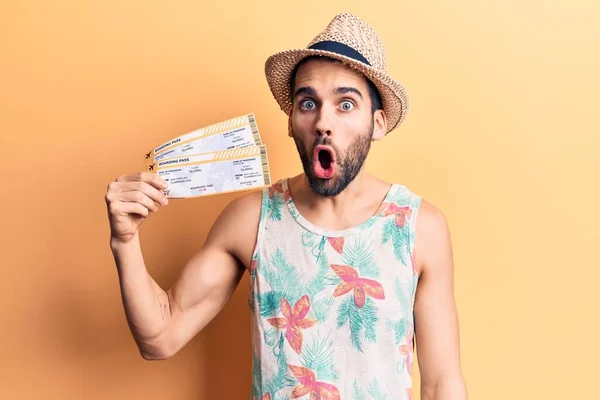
{"x": 368, "y": 274}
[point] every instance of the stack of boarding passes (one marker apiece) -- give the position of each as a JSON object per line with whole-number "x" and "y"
{"x": 225, "y": 157}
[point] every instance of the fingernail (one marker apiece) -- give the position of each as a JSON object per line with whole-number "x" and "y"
{"x": 165, "y": 201}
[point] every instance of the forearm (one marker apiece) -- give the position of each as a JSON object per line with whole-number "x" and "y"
{"x": 146, "y": 304}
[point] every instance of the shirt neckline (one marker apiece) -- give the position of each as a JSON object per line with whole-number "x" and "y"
{"x": 306, "y": 224}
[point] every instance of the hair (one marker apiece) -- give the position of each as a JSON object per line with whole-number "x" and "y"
{"x": 376, "y": 103}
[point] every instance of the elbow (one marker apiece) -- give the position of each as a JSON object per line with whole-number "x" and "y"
{"x": 156, "y": 350}
{"x": 448, "y": 388}
{"x": 156, "y": 356}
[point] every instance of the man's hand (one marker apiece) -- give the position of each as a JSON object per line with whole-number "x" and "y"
{"x": 130, "y": 199}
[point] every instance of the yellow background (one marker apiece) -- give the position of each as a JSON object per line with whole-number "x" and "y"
{"x": 503, "y": 136}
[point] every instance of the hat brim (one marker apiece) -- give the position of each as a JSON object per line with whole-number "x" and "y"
{"x": 279, "y": 67}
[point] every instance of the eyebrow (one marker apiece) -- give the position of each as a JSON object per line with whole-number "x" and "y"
{"x": 343, "y": 90}
{"x": 305, "y": 90}
{"x": 309, "y": 91}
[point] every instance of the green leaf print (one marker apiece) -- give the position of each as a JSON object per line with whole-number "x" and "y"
{"x": 271, "y": 337}
{"x": 321, "y": 306}
{"x": 400, "y": 238}
{"x": 294, "y": 212}
{"x": 403, "y": 293}
{"x": 371, "y": 321}
{"x": 269, "y": 303}
{"x": 316, "y": 284}
{"x": 403, "y": 296}
{"x": 402, "y": 196}
{"x": 346, "y": 314}
{"x": 388, "y": 228}
{"x": 308, "y": 239}
{"x": 257, "y": 377}
{"x": 282, "y": 378}
{"x": 357, "y": 393}
{"x": 318, "y": 356}
{"x": 274, "y": 207}
{"x": 361, "y": 321}
{"x": 265, "y": 205}
{"x": 283, "y": 277}
{"x": 399, "y": 329}
{"x": 319, "y": 281}
{"x": 359, "y": 254}
{"x": 318, "y": 250}
{"x": 375, "y": 390}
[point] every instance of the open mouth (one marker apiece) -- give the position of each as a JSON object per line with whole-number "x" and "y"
{"x": 323, "y": 161}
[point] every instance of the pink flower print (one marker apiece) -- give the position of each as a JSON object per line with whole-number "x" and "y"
{"x": 337, "y": 243}
{"x": 308, "y": 384}
{"x": 401, "y": 213}
{"x": 278, "y": 188}
{"x": 294, "y": 321}
{"x": 361, "y": 286}
{"x": 407, "y": 351}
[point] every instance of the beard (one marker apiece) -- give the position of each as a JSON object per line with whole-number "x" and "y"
{"x": 347, "y": 166}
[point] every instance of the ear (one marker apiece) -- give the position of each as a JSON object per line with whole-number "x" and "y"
{"x": 379, "y": 125}
{"x": 290, "y": 130}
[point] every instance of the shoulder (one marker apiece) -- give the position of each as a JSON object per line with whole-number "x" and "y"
{"x": 249, "y": 207}
{"x": 433, "y": 247}
{"x": 246, "y": 206}
{"x": 431, "y": 218}
{"x": 236, "y": 227}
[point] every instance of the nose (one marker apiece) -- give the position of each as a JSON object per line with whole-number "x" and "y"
{"x": 323, "y": 125}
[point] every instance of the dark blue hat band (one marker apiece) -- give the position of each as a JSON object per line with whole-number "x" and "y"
{"x": 341, "y": 49}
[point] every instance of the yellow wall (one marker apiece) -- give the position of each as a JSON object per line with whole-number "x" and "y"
{"x": 503, "y": 136}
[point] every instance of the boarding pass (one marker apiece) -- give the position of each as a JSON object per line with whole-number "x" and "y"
{"x": 230, "y": 134}
{"x": 213, "y": 173}
{"x": 224, "y": 157}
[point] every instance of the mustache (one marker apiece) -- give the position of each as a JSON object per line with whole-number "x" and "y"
{"x": 325, "y": 141}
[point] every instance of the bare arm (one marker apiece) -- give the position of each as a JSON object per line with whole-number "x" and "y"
{"x": 163, "y": 321}
{"x": 436, "y": 320}
{"x": 210, "y": 278}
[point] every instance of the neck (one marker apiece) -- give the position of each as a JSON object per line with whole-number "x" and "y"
{"x": 357, "y": 202}
{"x": 353, "y": 192}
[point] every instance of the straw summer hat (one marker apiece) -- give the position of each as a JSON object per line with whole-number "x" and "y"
{"x": 349, "y": 39}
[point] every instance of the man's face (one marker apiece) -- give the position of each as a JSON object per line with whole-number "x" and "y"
{"x": 332, "y": 124}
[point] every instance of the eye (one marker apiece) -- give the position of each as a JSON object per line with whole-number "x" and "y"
{"x": 347, "y": 105}
{"x": 307, "y": 104}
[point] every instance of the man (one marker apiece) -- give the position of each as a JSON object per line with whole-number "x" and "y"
{"x": 343, "y": 273}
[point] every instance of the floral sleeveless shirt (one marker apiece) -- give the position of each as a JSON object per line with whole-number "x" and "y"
{"x": 332, "y": 310}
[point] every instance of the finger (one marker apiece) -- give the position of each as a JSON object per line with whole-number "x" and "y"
{"x": 128, "y": 208}
{"x": 138, "y": 197}
{"x": 150, "y": 191}
{"x": 156, "y": 181}
{"x": 149, "y": 177}
{"x": 133, "y": 208}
